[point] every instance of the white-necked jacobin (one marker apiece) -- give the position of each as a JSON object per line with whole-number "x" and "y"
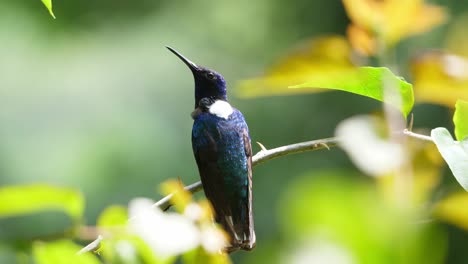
{"x": 222, "y": 149}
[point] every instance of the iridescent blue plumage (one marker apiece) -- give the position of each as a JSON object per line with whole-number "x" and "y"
{"x": 222, "y": 150}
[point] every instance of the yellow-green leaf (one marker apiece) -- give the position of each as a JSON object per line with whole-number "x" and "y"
{"x": 27, "y": 199}
{"x": 440, "y": 78}
{"x": 460, "y": 119}
{"x": 199, "y": 255}
{"x": 48, "y": 4}
{"x": 319, "y": 56}
{"x": 61, "y": 252}
{"x": 392, "y": 20}
{"x": 114, "y": 215}
{"x": 377, "y": 83}
{"x": 453, "y": 209}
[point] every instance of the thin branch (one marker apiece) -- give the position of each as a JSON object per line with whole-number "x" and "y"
{"x": 266, "y": 155}
{"x": 93, "y": 246}
{"x": 418, "y": 136}
{"x": 262, "y": 156}
{"x": 165, "y": 203}
{"x": 269, "y": 154}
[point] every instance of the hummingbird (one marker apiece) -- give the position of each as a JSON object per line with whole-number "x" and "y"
{"x": 223, "y": 153}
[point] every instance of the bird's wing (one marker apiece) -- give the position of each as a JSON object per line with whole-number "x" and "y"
{"x": 206, "y": 154}
{"x": 248, "y": 227}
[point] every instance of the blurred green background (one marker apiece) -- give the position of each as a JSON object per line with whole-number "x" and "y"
{"x": 93, "y": 100}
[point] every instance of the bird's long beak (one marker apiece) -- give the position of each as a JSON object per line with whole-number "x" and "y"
{"x": 189, "y": 63}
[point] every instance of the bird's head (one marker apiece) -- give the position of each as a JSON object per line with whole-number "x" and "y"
{"x": 208, "y": 83}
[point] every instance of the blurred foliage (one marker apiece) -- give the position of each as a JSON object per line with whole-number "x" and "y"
{"x": 459, "y": 119}
{"x": 89, "y": 101}
{"x": 61, "y": 251}
{"x": 449, "y": 209}
{"x": 23, "y": 208}
{"x": 19, "y": 200}
{"x": 440, "y": 78}
{"x": 377, "y": 23}
{"x": 323, "y": 56}
{"x": 325, "y": 64}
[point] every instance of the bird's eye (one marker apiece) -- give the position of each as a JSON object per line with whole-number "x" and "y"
{"x": 210, "y": 76}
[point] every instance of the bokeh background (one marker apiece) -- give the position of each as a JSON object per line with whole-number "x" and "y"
{"x": 93, "y": 100}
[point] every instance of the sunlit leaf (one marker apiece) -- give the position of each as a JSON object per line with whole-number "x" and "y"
{"x": 199, "y": 255}
{"x": 453, "y": 209}
{"x": 455, "y": 154}
{"x": 361, "y": 40}
{"x": 113, "y": 216}
{"x": 427, "y": 17}
{"x": 364, "y": 13}
{"x": 329, "y": 55}
{"x": 61, "y": 252}
{"x": 440, "y": 78}
{"x": 392, "y": 20}
{"x": 460, "y": 118}
{"x": 27, "y": 199}
{"x": 48, "y": 4}
{"x": 377, "y": 83}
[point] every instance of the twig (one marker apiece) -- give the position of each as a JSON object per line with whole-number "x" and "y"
{"x": 269, "y": 154}
{"x": 93, "y": 246}
{"x": 165, "y": 203}
{"x": 266, "y": 155}
{"x": 262, "y": 156}
{"x": 418, "y": 136}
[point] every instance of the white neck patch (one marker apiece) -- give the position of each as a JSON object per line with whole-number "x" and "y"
{"x": 221, "y": 108}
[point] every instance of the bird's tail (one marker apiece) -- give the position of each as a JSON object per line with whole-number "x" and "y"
{"x": 241, "y": 230}
{"x": 247, "y": 244}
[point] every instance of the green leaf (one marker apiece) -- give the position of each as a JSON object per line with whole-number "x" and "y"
{"x": 27, "y": 199}
{"x": 61, "y": 252}
{"x": 114, "y": 215}
{"x": 460, "y": 119}
{"x": 48, "y": 4}
{"x": 199, "y": 255}
{"x": 455, "y": 154}
{"x": 377, "y": 83}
